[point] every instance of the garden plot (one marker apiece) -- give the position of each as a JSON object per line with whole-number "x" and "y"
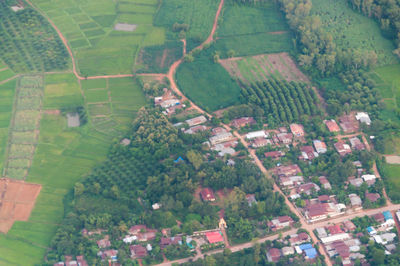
{"x": 24, "y": 127}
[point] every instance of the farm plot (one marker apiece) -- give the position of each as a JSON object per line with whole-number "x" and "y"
{"x": 262, "y": 67}
{"x": 352, "y": 30}
{"x": 24, "y": 127}
{"x": 194, "y": 17}
{"x": 246, "y": 30}
{"x": 29, "y": 43}
{"x": 89, "y": 26}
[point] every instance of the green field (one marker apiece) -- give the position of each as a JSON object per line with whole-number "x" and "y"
{"x": 89, "y": 28}
{"x": 252, "y": 30}
{"x": 63, "y": 155}
{"x": 392, "y": 176}
{"x": 353, "y": 30}
{"x": 199, "y": 15}
{"x": 207, "y": 83}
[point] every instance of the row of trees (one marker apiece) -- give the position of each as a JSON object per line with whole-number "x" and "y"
{"x": 386, "y": 12}
{"x": 282, "y": 100}
{"x": 29, "y": 43}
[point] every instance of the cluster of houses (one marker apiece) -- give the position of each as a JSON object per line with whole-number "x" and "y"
{"x": 69, "y": 261}
{"x": 341, "y": 239}
{"x": 168, "y": 102}
{"x": 348, "y": 123}
{"x": 296, "y": 244}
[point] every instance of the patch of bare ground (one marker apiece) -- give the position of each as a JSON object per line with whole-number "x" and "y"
{"x": 17, "y": 199}
{"x": 164, "y": 56}
{"x": 277, "y": 32}
{"x": 232, "y": 67}
{"x": 392, "y": 159}
{"x": 293, "y": 67}
{"x": 284, "y": 70}
{"x": 52, "y": 112}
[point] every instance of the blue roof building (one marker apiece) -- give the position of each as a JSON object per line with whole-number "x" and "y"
{"x": 311, "y": 253}
{"x": 371, "y": 230}
{"x": 178, "y": 160}
{"x": 387, "y": 215}
{"x": 305, "y": 246}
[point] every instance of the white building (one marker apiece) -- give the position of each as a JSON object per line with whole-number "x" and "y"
{"x": 256, "y": 134}
{"x": 363, "y": 118}
{"x": 368, "y": 177}
{"x": 333, "y": 238}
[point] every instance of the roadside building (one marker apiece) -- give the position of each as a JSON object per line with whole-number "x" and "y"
{"x": 196, "y": 121}
{"x": 372, "y": 197}
{"x": 243, "y": 121}
{"x": 290, "y": 182}
{"x": 196, "y": 129}
{"x": 355, "y": 201}
{"x": 280, "y": 223}
{"x": 261, "y": 142}
{"x": 214, "y": 237}
{"x": 220, "y": 138}
{"x": 257, "y": 134}
{"x": 273, "y": 255}
{"x": 288, "y": 170}
{"x": 274, "y": 154}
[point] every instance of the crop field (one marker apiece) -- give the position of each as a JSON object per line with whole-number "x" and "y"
{"x": 264, "y": 28}
{"x": 353, "y": 30}
{"x": 199, "y": 15}
{"x": 64, "y": 155}
{"x": 207, "y": 83}
{"x": 89, "y": 27}
{"x": 263, "y": 67}
{"x": 392, "y": 176}
{"x": 29, "y": 43}
{"x": 23, "y": 132}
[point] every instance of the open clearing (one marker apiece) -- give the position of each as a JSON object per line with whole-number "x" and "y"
{"x": 263, "y": 67}
{"x": 17, "y": 199}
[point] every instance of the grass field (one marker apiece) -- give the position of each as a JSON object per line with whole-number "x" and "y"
{"x": 199, "y": 15}
{"x": 252, "y": 30}
{"x": 392, "y": 176}
{"x": 353, "y": 30}
{"x": 89, "y": 28}
{"x": 64, "y": 155}
{"x": 207, "y": 83}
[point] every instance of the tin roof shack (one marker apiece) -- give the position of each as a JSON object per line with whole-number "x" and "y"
{"x": 280, "y": 223}
{"x": 285, "y": 138}
{"x": 138, "y": 251}
{"x": 307, "y": 188}
{"x": 261, "y": 142}
{"x": 297, "y": 130}
{"x": 288, "y": 170}
{"x": 332, "y": 125}
{"x": 320, "y": 146}
{"x": 307, "y": 153}
{"x": 220, "y": 138}
{"x": 356, "y": 144}
{"x": 324, "y": 182}
{"x": 274, "y": 154}
{"x": 243, "y": 121}
{"x": 342, "y": 148}
{"x": 273, "y": 255}
{"x": 372, "y": 197}
{"x": 196, "y": 121}
{"x": 289, "y": 182}
{"x": 355, "y": 201}
{"x": 349, "y": 123}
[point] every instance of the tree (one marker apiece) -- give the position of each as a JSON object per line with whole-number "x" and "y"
{"x": 378, "y": 256}
{"x": 79, "y": 188}
{"x": 195, "y": 158}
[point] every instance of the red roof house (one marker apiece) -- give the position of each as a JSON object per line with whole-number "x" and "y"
{"x": 273, "y": 255}
{"x": 207, "y": 194}
{"x": 243, "y": 121}
{"x": 138, "y": 251}
{"x": 332, "y": 125}
{"x": 335, "y": 229}
{"x": 274, "y": 154}
{"x": 372, "y": 196}
{"x": 214, "y": 237}
{"x": 297, "y": 130}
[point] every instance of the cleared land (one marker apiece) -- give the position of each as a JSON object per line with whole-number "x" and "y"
{"x": 89, "y": 27}
{"x": 353, "y": 30}
{"x": 252, "y": 30}
{"x": 264, "y": 67}
{"x": 16, "y": 201}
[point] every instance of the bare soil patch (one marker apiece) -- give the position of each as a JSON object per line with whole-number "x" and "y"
{"x": 164, "y": 56}
{"x": 17, "y": 199}
{"x": 392, "y": 159}
{"x": 52, "y": 112}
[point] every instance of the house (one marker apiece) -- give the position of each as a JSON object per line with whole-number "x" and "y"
{"x": 111, "y": 253}
{"x": 156, "y": 206}
{"x": 341, "y": 249}
{"x": 218, "y": 130}
{"x": 355, "y": 201}
{"x": 372, "y": 197}
{"x": 297, "y": 130}
{"x": 369, "y": 179}
{"x": 357, "y": 164}
{"x": 138, "y": 251}
{"x": 342, "y": 148}
{"x": 324, "y": 182}
{"x": 290, "y": 182}
{"x": 196, "y": 121}
{"x": 285, "y": 138}
{"x": 243, "y": 121}
{"x": 384, "y": 238}
{"x": 73, "y": 120}
{"x": 169, "y": 103}
{"x": 261, "y": 142}
{"x": 167, "y": 241}
{"x": 321, "y": 232}
{"x": 332, "y": 125}
{"x": 220, "y": 138}
{"x": 274, "y": 154}
{"x": 311, "y": 253}
{"x": 286, "y": 251}
{"x": 273, "y": 255}
{"x": 257, "y": 134}
{"x": 389, "y": 221}
{"x": 140, "y": 233}
{"x": 125, "y": 142}
{"x": 356, "y": 144}
{"x": 320, "y": 146}
{"x": 348, "y": 123}
{"x": 357, "y": 182}
{"x": 195, "y": 129}
{"x": 288, "y": 170}
{"x": 335, "y": 229}
{"x": 297, "y": 239}
{"x": 103, "y": 243}
{"x": 214, "y": 237}
{"x": 308, "y": 153}
{"x": 207, "y": 194}
{"x": 251, "y": 199}
{"x": 280, "y": 222}
{"x": 349, "y": 226}
{"x": 363, "y": 118}
{"x": 336, "y": 237}
{"x": 371, "y": 230}
{"x": 226, "y": 151}
{"x": 379, "y": 217}
{"x": 320, "y": 211}
{"x": 81, "y": 261}
{"x": 307, "y": 188}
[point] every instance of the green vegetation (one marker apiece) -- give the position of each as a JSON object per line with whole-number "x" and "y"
{"x": 191, "y": 18}
{"x": 282, "y": 101}
{"x": 207, "y": 83}
{"x": 89, "y": 28}
{"x": 391, "y": 177}
{"x": 251, "y": 30}
{"x": 29, "y": 43}
{"x": 351, "y": 30}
